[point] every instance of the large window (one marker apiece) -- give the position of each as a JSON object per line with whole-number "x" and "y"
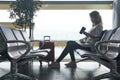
{"x": 66, "y": 24}
{"x": 4, "y": 16}
{"x": 62, "y": 24}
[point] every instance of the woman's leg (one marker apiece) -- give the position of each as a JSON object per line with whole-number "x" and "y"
{"x": 70, "y": 47}
{"x": 75, "y": 46}
{"x": 67, "y": 49}
{"x": 63, "y": 54}
{"x": 72, "y": 55}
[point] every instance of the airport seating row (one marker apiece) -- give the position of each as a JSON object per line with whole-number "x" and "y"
{"x": 16, "y": 47}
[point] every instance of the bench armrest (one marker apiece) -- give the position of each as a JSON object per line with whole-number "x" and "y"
{"x": 28, "y": 47}
{"x": 107, "y": 45}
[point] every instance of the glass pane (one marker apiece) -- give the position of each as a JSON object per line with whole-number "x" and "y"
{"x": 62, "y": 24}
{"x": 66, "y": 24}
{"x": 4, "y": 16}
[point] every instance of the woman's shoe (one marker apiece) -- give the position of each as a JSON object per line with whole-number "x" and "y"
{"x": 71, "y": 64}
{"x": 55, "y": 65}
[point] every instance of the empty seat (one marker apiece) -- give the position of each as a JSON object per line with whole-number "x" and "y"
{"x": 12, "y": 52}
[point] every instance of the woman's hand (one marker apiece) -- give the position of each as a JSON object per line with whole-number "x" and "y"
{"x": 82, "y": 40}
{"x": 89, "y": 35}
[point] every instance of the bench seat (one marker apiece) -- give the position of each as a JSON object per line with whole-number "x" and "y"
{"x": 17, "y": 50}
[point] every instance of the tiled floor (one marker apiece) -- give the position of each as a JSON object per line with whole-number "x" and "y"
{"x": 84, "y": 71}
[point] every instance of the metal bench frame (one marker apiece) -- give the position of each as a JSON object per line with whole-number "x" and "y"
{"x": 102, "y": 48}
{"x": 18, "y": 51}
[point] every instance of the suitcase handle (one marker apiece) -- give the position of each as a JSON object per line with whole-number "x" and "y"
{"x": 46, "y": 38}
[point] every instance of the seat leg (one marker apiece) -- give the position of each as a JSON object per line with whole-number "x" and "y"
{"x": 14, "y": 76}
{"x": 40, "y": 62}
{"x": 5, "y": 76}
{"x": 107, "y": 75}
{"x": 103, "y": 76}
{"x": 23, "y": 76}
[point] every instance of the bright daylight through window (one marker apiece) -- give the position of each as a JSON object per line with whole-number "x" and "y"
{"x": 66, "y": 24}
{"x": 62, "y": 24}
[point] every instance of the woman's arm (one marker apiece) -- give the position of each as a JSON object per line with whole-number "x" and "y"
{"x": 95, "y": 31}
{"x": 90, "y": 35}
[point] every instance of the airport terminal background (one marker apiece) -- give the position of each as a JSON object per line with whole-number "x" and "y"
{"x": 62, "y": 25}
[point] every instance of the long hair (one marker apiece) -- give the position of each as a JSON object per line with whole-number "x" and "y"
{"x": 96, "y": 16}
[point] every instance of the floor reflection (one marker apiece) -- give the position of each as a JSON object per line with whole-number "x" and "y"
{"x": 84, "y": 71}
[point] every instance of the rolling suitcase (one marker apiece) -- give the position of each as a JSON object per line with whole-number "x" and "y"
{"x": 49, "y": 44}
